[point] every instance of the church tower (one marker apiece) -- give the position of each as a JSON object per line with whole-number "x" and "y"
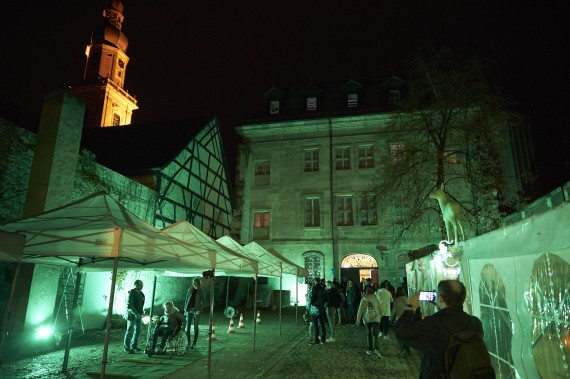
{"x": 107, "y": 103}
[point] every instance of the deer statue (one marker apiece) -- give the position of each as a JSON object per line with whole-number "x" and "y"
{"x": 451, "y": 212}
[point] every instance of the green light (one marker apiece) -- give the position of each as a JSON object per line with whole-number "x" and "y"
{"x": 44, "y": 332}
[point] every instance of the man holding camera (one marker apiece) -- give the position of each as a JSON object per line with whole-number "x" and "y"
{"x": 431, "y": 335}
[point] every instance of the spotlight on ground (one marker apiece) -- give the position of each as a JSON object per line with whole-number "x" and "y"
{"x": 44, "y": 332}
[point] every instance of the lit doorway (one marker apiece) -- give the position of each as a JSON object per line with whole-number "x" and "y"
{"x": 359, "y": 267}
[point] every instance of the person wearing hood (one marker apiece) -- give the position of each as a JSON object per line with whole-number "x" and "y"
{"x": 171, "y": 322}
{"x": 369, "y": 312}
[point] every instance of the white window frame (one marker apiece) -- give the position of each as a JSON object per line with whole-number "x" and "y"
{"x": 366, "y": 156}
{"x": 344, "y": 210}
{"x": 311, "y": 159}
{"x": 342, "y": 162}
{"x": 312, "y": 211}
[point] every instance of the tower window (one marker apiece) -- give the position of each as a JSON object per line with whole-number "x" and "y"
{"x": 274, "y": 107}
{"x": 311, "y": 103}
{"x": 352, "y": 100}
{"x": 394, "y": 97}
{"x": 116, "y": 119}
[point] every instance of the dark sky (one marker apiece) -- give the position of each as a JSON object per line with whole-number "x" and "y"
{"x": 192, "y": 58}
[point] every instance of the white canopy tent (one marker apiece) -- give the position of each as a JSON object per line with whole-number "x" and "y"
{"x": 96, "y": 233}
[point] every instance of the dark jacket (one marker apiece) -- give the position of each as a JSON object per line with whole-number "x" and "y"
{"x": 135, "y": 302}
{"x": 173, "y": 320}
{"x": 318, "y": 297}
{"x": 200, "y": 301}
{"x": 430, "y": 337}
{"x": 333, "y": 298}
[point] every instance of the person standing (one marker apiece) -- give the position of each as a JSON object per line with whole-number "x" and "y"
{"x": 135, "y": 310}
{"x": 369, "y": 312}
{"x": 385, "y": 298}
{"x": 400, "y": 305}
{"x": 430, "y": 335}
{"x": 193, "y": 305}
{"x": 318, "y": 296}
{"x": 352, "y": 300}
{"x": 333, "y": 302}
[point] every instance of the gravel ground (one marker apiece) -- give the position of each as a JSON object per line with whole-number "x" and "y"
{"x": 85, "y": 355}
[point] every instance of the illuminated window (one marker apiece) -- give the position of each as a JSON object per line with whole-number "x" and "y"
{"x": 261, "y": 225}
{"x": 342, "y": 158}
{"x": 352, "y": 100}
{"x": 311, "y": 157}
{"x": 262, "y": 171}
{"x": 312, "y": 211}
{"x": 116, "y": 119}
{"x": 274, "y": 107}
{"x": 397, "y": 152}
{"x": 365, "y": 156}
{"x": 344, "y": 210}
{"x": 311, "y": 103}
{"x": 394, "y": 97}
{"x": 368, "y": 213}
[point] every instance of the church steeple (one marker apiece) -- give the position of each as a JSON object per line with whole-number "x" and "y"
{"x": 107, "y": 103}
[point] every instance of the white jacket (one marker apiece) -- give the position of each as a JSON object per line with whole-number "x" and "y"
{"x": 385, "y": 298}
{"x": 363, "y": 307}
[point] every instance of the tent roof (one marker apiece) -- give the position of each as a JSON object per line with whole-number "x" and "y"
{"x": 227, "y": 260}
{"x": 93, "y": 231}
{"x": 301, "y": 271}
{"x": 11, "y": 246}
{"x": 540, "y": 233}
{"x": 288, "y": 266}
{"x": 265, "y": 268}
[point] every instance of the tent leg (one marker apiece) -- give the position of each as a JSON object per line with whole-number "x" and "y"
{"x": 210, "y": 319}
{"x": 8, "y": 311}
{"x": 109, "y": 314}
{"x": 151, "y": 307}
{"x": 280, "y": 301}
{"x": 71, "y": 321}
{"x": 254, "y": 311}
{"x": 297, "y": 301}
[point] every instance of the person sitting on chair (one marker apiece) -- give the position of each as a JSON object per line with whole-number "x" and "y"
{"x": 170, "y": 323}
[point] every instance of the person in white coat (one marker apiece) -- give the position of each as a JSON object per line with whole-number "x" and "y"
{"x": 385, "y": 298}
{"x": 369, "y": 312}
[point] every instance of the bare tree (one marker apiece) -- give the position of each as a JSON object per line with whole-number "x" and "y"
{"x": 449, "y": 129}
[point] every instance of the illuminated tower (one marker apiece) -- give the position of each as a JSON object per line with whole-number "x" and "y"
{"x": 107, "y": 103}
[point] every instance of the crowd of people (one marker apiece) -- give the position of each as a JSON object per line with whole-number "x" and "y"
{"x": 383, "y": 310}
{"x": 331, "y": 303}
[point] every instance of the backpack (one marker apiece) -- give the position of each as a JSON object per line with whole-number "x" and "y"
{"x": 466, "y": 355}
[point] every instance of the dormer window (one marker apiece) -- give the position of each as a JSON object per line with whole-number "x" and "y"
{"x": 274, "y": 107}
{"x": 311, "y": 103}
{"x": 352, "y": 100}
{"x": 394, "y": 97}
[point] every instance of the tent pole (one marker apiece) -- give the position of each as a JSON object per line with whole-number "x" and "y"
{"x": 254, "y": 311}
{"x": 109, "y": 314}
{"x": 71, "y": 321}
{"x": 8, "y": 311}
{"x": 297, "y": 301}
{"x": 280, "y": 302}
{"x": 151, "y": 306}
{"x": 227, "y": 290}
{"x": 212, "y": 284}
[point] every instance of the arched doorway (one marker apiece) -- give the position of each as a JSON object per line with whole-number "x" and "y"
{"x": 359, "y": 267}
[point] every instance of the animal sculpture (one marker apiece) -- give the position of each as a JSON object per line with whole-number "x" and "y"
{"x": 451, "y": 212}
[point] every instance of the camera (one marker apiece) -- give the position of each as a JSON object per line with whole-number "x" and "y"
{"x": 427, "y": 295}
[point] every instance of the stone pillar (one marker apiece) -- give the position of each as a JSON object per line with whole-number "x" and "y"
{"x": 56, "y": 153}
{"x": 51, "y": 185}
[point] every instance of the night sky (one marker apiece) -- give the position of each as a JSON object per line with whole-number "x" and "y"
{"x": 192, "y": 58}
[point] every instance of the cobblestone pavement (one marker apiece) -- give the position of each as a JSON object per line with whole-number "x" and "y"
{"x": 281, "y": 351}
